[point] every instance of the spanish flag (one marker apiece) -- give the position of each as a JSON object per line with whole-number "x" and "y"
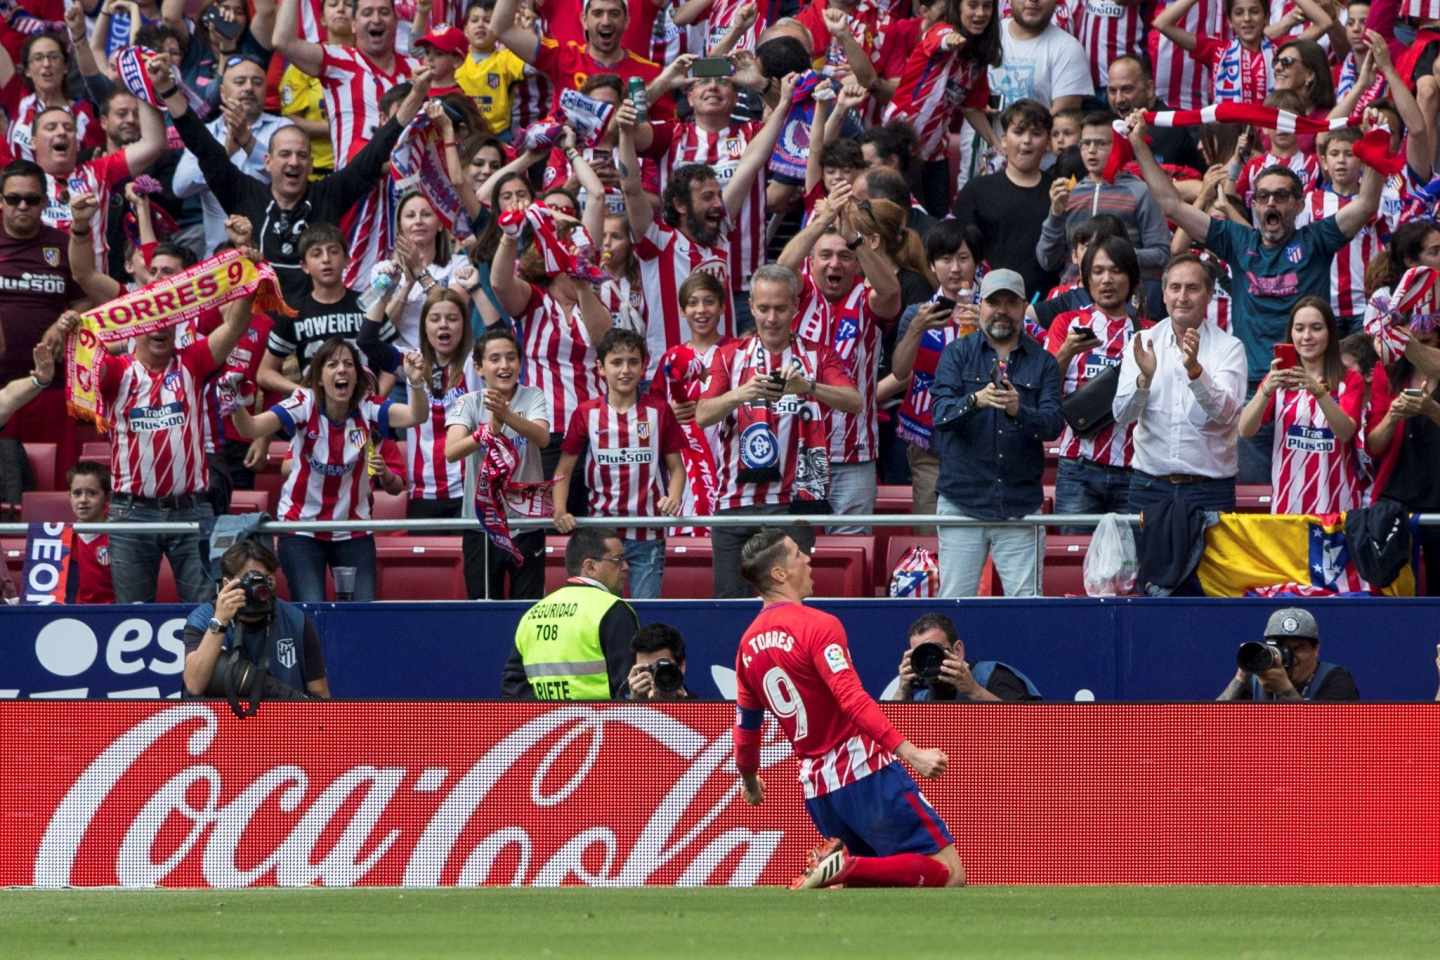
{"x": 1257, "y": 554}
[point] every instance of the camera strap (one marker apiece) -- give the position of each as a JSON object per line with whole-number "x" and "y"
{"x": 257, "y": 689}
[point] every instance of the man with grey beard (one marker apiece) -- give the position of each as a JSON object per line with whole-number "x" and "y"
{"x": 245, "y": 131}
{"x": 996, "y": 400}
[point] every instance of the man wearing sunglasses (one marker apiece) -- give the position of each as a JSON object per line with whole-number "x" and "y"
{"x": 575, "y": 643}
{"x": 1273, "y": 264}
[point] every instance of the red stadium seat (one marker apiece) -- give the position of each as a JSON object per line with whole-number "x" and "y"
{"x": 688, "y": 565}
{"x": 388, "y": 506}
{"x": 894, "y": 498}
{"x": 270, "y": 484}
{"x": 1064, "y": 565}
{"x": 42, "y": 464}
{"x": 12, "y": 550}
{"x": 841, "y": 566}
{"x": 1252, "y": 498}
{"x": 97, "y": 450}
{"x": 165, "y": 589}
{"x": 45, "y": 506}
{"x": 1052, "y": 465}
{"x": 249, "y": 501}
{"x": 419, "y": 568}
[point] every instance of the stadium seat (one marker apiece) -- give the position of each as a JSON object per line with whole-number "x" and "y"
{"x": 1065, "y": 565}
{"x": 12, "y": 549}
{"x": 388, "y": 506}
{"x": 841, "y": 566}
{"x": 97, "y": 450}
{"x": 45, "y": 506}
{"x": 1052, "y": 465}
{"x": 249, "y": 501}
{"x": 270, "y": 483}
{"x": 419, "y": 568}
{"x": 894, "y": 498}
{"x": 42, "y": 464}
{"x": 688, "y": 564}
{"x": 1252, "y": 498}
{"x": 165, "y": 589}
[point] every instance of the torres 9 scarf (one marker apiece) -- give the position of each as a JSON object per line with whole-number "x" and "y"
{"x": 160, "y": 305}
{"x": 686, "y": 375}
{"x": 494, "y": 490}
{"x": 1373, "y": 149}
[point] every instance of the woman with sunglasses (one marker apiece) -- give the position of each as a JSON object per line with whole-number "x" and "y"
{"x": 333, "y": 424}
{"x": 1303, "y": 66}
{"x": 44, "y": 70}
{"x": 1243, "y": 67}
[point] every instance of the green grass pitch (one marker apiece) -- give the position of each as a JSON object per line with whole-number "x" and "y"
{"x": 692, "y": 924}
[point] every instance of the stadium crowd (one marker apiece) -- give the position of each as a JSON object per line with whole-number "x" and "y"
{"x": 568, "y": 258}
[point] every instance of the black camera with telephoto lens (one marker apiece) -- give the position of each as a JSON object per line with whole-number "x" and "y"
{"x": 668, "y": 676}
{"x": 1256, "y": 656}
{"x": 925, "y": 660}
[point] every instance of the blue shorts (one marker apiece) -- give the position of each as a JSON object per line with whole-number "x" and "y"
{"x": 879, "y": 815}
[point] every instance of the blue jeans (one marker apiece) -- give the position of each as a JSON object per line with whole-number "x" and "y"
{"x": 1084, "y": 486}
{"x": 647, "y": 567}
{"x": 1148, "y": 491}
{"x": 1016, "y": 552}
{"x": 304, "y": 560}
{"x": 852, "y": 490}
{"x": 135, "y": 557}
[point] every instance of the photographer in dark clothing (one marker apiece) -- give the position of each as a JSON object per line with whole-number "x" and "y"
{"x": 1287, "y": 664}
{"x": 659, "y": 671}
{"x": 246, "y": 616}
{"x": 934, "y": 668}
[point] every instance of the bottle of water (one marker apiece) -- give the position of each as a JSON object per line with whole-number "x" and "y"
{"x": 382, "y": 283}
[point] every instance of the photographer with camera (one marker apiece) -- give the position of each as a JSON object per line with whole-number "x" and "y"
{"x": 659, "y": 671}
{"x": 1286, "y": 665}
{"x": 934, "y": 668}
{"x": 249, "y": 645}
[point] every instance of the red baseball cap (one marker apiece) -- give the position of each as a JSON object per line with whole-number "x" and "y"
{"x": 446, "y": 39}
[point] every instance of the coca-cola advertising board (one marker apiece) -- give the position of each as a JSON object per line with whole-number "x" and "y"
{"x": 141, "y": 794}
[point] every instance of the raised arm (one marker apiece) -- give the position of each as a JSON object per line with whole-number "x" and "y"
{"x": 1320, "y": 23}
{"x": 308, "y": 56}
{"x": 513, "y": 292}
{"x": 757, "y": 152}
{"x": 523, "y": 42}
{"x": 838, "y": 23}
{"x": 1419, "y": 153}
{"x": 142, "y": 154}
{"x": 1361, "y": 210}
{"x": 638, "y": 209}
{"x": 520, "y": 164}
{"x": 814, "y": 172}
{"x": 593, "y": 216}
{"x": 99, "y": 287}
{"x": 417, "y": 411}
{"x": 1168, "y": 24}
{"x": 593, "y": 313}
{"x": 1162, "y": 188}
{"x": 822, "y": 218}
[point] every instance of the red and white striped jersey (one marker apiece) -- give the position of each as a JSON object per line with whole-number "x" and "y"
{"x": 98, "y": 176}
{"x": 90, "y": 580}
{"x": 677, "y": 144}
{"x": 722, "y": 14}
{"x": 158, "y": 423}
{"x": 312, "y": 21}
{"x": 1347, "y": 269}
{"x": 795, "y": 661}
{"x": 1421, "y": 10}
{"x": 795, "y": 422}
{"x": 852, "y": 330}
{"x": 1311, "y": 471}
{"x": 1219, "y": 309}
{"x": 1108, "y": 31}
{"x": 530, "y": 100}
{"x": 1105, "y": 447}
{"x": 328, "y": 477}
{"x": 624, "y": 455}
{"x": 432, "y": 477}
{"x": 87, "y": 128}
{"x": 934, "y": 85}
{"x": 353, "y": 86}
{"x": 1181, "y": 80}
{"x": 558, "y": 356}
{"x": 667, "y": 255}
{"x": 1305, "y": 164}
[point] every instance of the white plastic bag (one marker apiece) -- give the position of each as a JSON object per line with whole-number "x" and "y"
{"x": 1111, "y": 563}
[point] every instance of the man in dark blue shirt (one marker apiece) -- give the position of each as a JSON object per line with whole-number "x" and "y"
{"x": 996, "y": 400}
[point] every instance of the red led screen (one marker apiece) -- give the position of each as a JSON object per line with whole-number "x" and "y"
{"x": 422, "y": 793}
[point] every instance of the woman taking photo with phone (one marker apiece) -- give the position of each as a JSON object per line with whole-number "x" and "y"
{"x": 1315, "y": 404}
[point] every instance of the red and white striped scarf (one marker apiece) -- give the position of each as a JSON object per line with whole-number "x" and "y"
{"x": 1415, "y": 305}
{"x": 683, "y": 369}
{"x": 1372, "y": 149}
{"x": 558, "y": 256}
{"x": 495, "y": 490}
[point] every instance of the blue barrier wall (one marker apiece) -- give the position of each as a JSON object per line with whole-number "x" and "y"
{"x": 1116, "y": 649}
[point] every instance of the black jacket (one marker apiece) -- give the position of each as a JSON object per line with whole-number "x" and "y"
{"x": 278, "y": 230}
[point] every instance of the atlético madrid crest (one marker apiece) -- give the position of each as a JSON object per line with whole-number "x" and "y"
{"x": 52, "y": 255}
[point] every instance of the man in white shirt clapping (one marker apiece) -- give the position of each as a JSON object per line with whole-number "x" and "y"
{"x": 1183, "y": 385}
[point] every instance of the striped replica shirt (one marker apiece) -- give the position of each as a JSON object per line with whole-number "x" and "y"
{"x": 432, "y": 477}
{"x": 87, "y": 128}
{"x": 668, "y": 255}
{"x": 1306, "y": 166}
{"x": 795, "y": 661}
{"x": 98, "y": 176}
{"x": 624, "y": 456}
{"x": 1111, "y": 446}
{"x": 1237, "y": 74}
{"x": 353, "y": 86}
{"x": 676, "y": 144}
{"x": 1311, "y": 471}
{"x": 559, "y": 358}
{"x": 158, "y": 422}
{"x": 850, "y": 328}
{"x": 1347, "y": 270}
{"x": 328, "y": 478}
{"x": 1181, "y": 80}
{"x": 934, "y": 85}
{"x": 761, "y": 445}
{"x": 1108, "y": 30}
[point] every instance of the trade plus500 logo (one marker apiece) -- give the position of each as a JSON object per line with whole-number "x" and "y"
{"x": 66, "y": 647}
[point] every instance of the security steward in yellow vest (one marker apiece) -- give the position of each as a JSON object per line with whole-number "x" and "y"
{"x": 575, "y": 643}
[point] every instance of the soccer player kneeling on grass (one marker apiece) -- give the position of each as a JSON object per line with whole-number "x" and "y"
{"x": 880, "y": 830}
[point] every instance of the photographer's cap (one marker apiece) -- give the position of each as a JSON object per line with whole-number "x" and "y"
{"x": 997, "y": 280}
{"x": 1292, "y": 622}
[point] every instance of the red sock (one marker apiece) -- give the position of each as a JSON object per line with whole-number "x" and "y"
{"x": 897, "y": 870}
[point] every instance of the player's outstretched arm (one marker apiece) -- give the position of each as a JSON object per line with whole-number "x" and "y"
{"x": 929, "y": 763}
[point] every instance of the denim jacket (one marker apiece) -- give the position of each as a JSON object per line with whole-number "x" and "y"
{"x": 990, "y": 462}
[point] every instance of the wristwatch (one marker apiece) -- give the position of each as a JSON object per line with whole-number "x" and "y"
{"x": 215, "y": 626}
